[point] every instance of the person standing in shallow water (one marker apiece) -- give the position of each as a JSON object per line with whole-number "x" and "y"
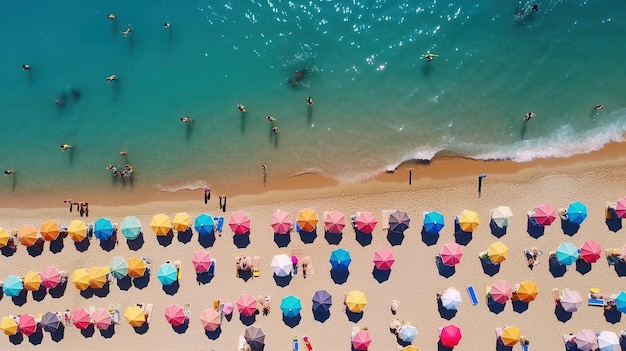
{"x": 309, "y": 101}
{"x": 207, "y": 194}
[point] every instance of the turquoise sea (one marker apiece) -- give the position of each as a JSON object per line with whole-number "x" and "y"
{"x": 377, "y": 103}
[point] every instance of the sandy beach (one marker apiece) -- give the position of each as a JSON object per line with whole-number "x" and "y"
{"x": 448, "y": 185}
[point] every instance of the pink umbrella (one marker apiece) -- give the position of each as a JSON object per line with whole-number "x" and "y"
{"x": 366, "y": 222}
{"x": 544, "y": 214}
{"x": 294, "y": 259}
{"x": 620, "y": 208}
{"x": 246, "y": 304}
{"x": 201, "y": 261}
{"x": 361, "y": 340}
{"x": 239, "y": 223}
{"x": 175, "y": 315}
{"x": 451, "y": 254}
{"x": 50, "y": 277}
{"x": 590, "y": 251}
{"x": 27, "y": 325}
{"x": 586, "y": 340}
{"x": 450, "y": 335}
{"x": 228, "y": 308}
{"x": 501, "y": 291}
{"x": 384, "y": 259}
{"x": 101, "y": 319}
{"x": 81, "y": 318}
{"x": 334, "y": 221}
{"x": 210, "y": 319}
{"x": 281, "y": 222}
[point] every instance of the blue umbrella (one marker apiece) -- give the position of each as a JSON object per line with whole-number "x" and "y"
{"x": 50, "y": 322}
{"x": 204, "y": 224}
{"x": 433, "y": 222}
{"x": 407, "y": 333}
{"x": 130, "y": 227}
{"x": 291, "y": 306}
{"x": 13, "y": 285}
{"x": 322, "y": 300}
{"x": 576, "y": 212}
{"x": 567, "y": 253}
{"x": 340, "y": 259}
{"x": 103, "y": 228}
{"x": 167, "y": 273}
{"x": 620, "y": 302}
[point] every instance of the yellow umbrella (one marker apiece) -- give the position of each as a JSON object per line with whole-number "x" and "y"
{"x": 468, "y": 220}
{"x": 8, "y": 325}
{"x": 49, "y": 230}
{"x": 356, "y": 301}
{"x": 4, "y": 237}
{"x": 77, "y": 230}
{"x": 32, "y": 281}
{"x": 181, "y": 222}
{"x": 161, "y": 224}
{"x": 307, "y": 220}
{"x": 498, "y": 252}
{"x": 511, "y": 335}
{"x": 80, "y": 279}
{"x": 136, "y": 267}
{"x": 135, "y": 316}
{"x": 98, "y": 277}
{"x": 527, "y": 291}
{"x": 410, "y": 348}
{"x": 27, "y": 235}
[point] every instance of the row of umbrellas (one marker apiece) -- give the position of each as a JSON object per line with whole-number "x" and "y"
{"x": 588, "y": 340}
{"x": 501, "y": 291}
{"x": 449, "y": 336}
{"x": 28, "y": 324}
{"x": 567, "y": 253}
{"x": 49, "y": 278}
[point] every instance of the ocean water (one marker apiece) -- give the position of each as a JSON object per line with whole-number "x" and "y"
{"x": 377, "y": 102}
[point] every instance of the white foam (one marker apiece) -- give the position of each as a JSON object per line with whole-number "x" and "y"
{"x": 189, "y": 185}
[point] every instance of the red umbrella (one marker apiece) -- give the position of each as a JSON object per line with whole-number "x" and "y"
{"x": 246, "y": 304}
{"x": 239, "y": 222}
{"x": 210, "y": 319}
{"x": 451, "y": 254}
{"x": 334, "y": 221}
{"x": 81, "y": 318}
{"x": 361, "y": 340}
{"x": 590, "y": 251}
{"x": 383, "y": 259}
{"x": 27, "y": 325}
{"x": 201, "y": 261}
{"x": 620, "y": 208}
{"x": 544, "y": 214}
{"x": 175, "y": 315}
{"x": 281, "y": 222}
{"x": 50, "y": 277}
{"x": 366, "y": 222}
{"x": 101, "y": 318}
{"x": 501, "y": 291}
{"x": 450, "y": 335}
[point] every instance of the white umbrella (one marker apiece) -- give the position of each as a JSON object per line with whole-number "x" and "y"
{"x": 608, "y": 341}
{"x": 407, "y": 333}
{"x": 501, "y": 215}
{"x": 282, "y": 265}
{"x": 571, "y": 300}
{"x": 451, "y": 299}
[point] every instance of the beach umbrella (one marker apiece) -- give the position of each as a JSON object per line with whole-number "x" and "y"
{"x": 361, "y": 340}
{"x": 567, "y": 253}
{"x": 246, "y": 304}
{"x": 334, "y": 222}
{"x": 433, "y": 221}
{"x": 80, "y": 279}
{"x": 356, "y": 301}
{"x": 511, "y": 335}
{"x": 81, "y": 318}
{"x": 27, "y": 324}
{"x": 620, "y": 208}
{"x": 101, "y": 319}
{"x": 50, "y": 321}
{"x": 451, "y": 299}
{"x": 27, "y": 235}
{"x": 451, "y": 254}
{"x": 620, "y": 302}
{"x": 407, "y": 333}
{"x": 13, "y": 285}
{"x": 135, "y": 316}
{"x": 98, "y": 277}
{"x": 322, "y": 300}
{"x": 576, "y": 212}
{"x": 181, "y": 222}
{"x": 103, "y": 229}
{"x": 51, "y": 277}
{"x": 586, "y": 340}
{"x": 167, "y": 273}
{"x": 366, "y": 222}
{"x": 204, "y": 224}
{"x": 608, "y": 341}
{"x": 527, "y": 291}
{"x": 410, "y": 348}
{"x": 450, "y": 335}
{"x": 136, "y": 267}
{"x": 399, "y": 221}
{"x": 255, "y": 337}
{"x": 307, "y": 220}
{"x": 32, "y": 281}
{"x": 77, "y": 230}
{"x": 468, "y": 220}
{"x": 340, "y": 259}
{"x": 501, "y": 216}
{"x": 239, "y": 222}
{"x": 497, "y": 252}
{"x": 590, "y": 251}
{"x": 228, "y": 308}
{"x": 161, "y": 224}
{"x": 201, "y": 261}
{"x": 544, "y": 214}
{"x": 210, "y": 319}
{"x": 118, "y": 267}
{"x": 571, "y": 300}
{"x": 49, "y": 230}
{"x": 175, "y": 315}
{"x": 281, "y": 222}
{"x": 501, "y": 291}
{"x": 291, "y": 306}
{"x": 4, "y": 237}
{"x": 131, "y": 227}
{"x": 282, "y": 265}
{"x": 8, "y": 325}
{"x": 383, "y": 258}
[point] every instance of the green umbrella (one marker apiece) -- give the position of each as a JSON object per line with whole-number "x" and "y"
{"x": 118, "y": 267}
{"x": 130, "y": 227}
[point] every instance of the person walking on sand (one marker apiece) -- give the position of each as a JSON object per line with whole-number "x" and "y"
{"x": 224, "y": 205}
{"x": 71, "y": 202}
{"x": 111, "y": 78}
{"x": 271, "y": 118}
{"x": 309, "y": 101}
{"x": 207, "y": 195}
{"x": 185, "y": 119}
{"x": 65, "y": 147}
{"x": 264, "y": 166}
{"x": 8, "y": 172}
{"x": 221, "y": 202}
{"x": 529, "y": 116}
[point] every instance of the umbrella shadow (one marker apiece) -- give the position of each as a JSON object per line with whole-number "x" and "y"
{"x": 16, "y": 339}
{"x": 622, "y": 342}
{"x": 165, "y": 240}
{"x": 534, "y": 229}
{"x": 241, "y": 241}
{"x": 58, "y": 334}
{"x": 364, "y": 239}
{"x": 333, "y": 238}
{"x": 109, "y": 244}
{"x": 501, "y": 347}
{"x": 171, "y": 289}
{"x": 613, "y": 316}
{"x": 402, "y": 342}
{"x": 583, "y": 267}
{"x": 461, "y": 237}
{"x": 83, "y": 245}
{"x": 569, "y": 228}
{"x": 181, "y": 329}
{"x": 58, "y": 291}
{"x": 495, "y": 307}
{"x": 381, "y": 275}
{"x": 7, "y": 251}
{"x": 37, "y": 337}
{"x": 247, "y": 275}
{"x": 395, "y": 238}
{"x": 204, "y": 277}
{"x": 247, "y": 320}
{"x": 21, "y": 298}
{"x": 520, "y": 306}
{"x": 620, "y": 268}
{"x": 135, "y": 244}
{"x": 40, "y": 294}
{"x": 103, "y": 291}
{"x": 282, "y": 240}
{"x": 443, "y": 269}
{"x": 489, "y": 268}
{"x": 142, "y": 329}
{"x": 354, "y": 317}
{"x": 614, "y": 223}
{"x": 124, "y": 283}
{"x": 308, "y": 237}
{"x": 444, "y": 312}
{"x": 141, "y": 282}
{"x": 109, "y": 332}
{"x": 339, "y": 277}
{"x": 57, "y": 245}
{"x": 282, "y": 281}
{"x": 207, "y": 240}
{"x": 292, "y": 322}
{"x": 87, "y": 293}
{"x": 561, "y": 314}
{"x": 429, "y": 238}
{"x": 88, "y": 332}
{"x": 496, "y": 231}
{"x": 34, "y": 250}
{"x": 321, "y": 316}
{"x": 213, "y": 335}
{"x": 185, "y": 237}
{"x": 556, "y": 268}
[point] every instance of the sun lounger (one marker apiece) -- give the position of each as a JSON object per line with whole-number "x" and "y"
{"x": 256, "y": 266}
{"x": 295, "y": 344}
{"x": 385, "y": 219}
{"x": 212, "y": 267}
{"x": 187, "y": 311}
{"x": 472, "y": 295}
{"x": 148, "y": 312}
{"x": 594, "y": 301}
{"x": 307, "y": 342}
{"x": 242, "y": 342}
{"x": 114, "y": 311}
{"x": 67, "y": 317}
{"x": 220, "y": 224}
{"x": 556, "y": 295}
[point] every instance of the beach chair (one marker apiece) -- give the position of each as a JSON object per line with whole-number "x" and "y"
{"x": 67, "y": 317}
{"x": 187, "y": 311}
{"x": 220, "y": 224}
{"x": 211, "y": 270}
{"x": 148, "y": 312}
{"x": 385, "y": 218}
{"x": 594, "y": 301}
{"x": 472, "y": 295}
{"x": 256, "y": 266}
{"x": 114, "y": 311}
{"x": 307, "y": 342}
{"x": 556, "y": 295}
{"x": 242, "y": 342}
{"x": 295, "y": 344}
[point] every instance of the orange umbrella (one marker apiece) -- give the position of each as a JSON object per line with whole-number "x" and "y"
{"x": 4, "y": 237}
{"x": 80, "y": 279}
{"x": 77, "y": 230}
{"x": 307, "y": 220}
{"x": 527, "y": 291}
{"x": 49, "y": 230}
{"x": 32, "y": 281}
{"x": 136, "y": 267}
{"x": 161, "y": 224}
{"x": 27, "y": 235}
{"x": 98, "y": 277}
{"x": 135, "y": 316}
{"x": 181, "y": 222}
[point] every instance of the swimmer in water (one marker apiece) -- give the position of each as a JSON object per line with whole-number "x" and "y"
{"x": 111, "y": 16}
{"x": 529, "y": 116}
{"x": 127, "y": 32}
{"x": 275, "y": 130}
{"x": 309, "y": 101}
{"x": 111, "y": 78}
{"x": 25, "y": 67}
{"x": 598, "y": 107}
{"x": 271, "y": 119}
{"x": 241, "y": 108}
{"x": 167, "y": 25}
{"x": 185, "y": 119}
{"x": 66, "y": 147}
{"x": 429, "y": 57}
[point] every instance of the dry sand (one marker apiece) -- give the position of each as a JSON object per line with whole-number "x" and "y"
{"x": 593, "y": 179}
